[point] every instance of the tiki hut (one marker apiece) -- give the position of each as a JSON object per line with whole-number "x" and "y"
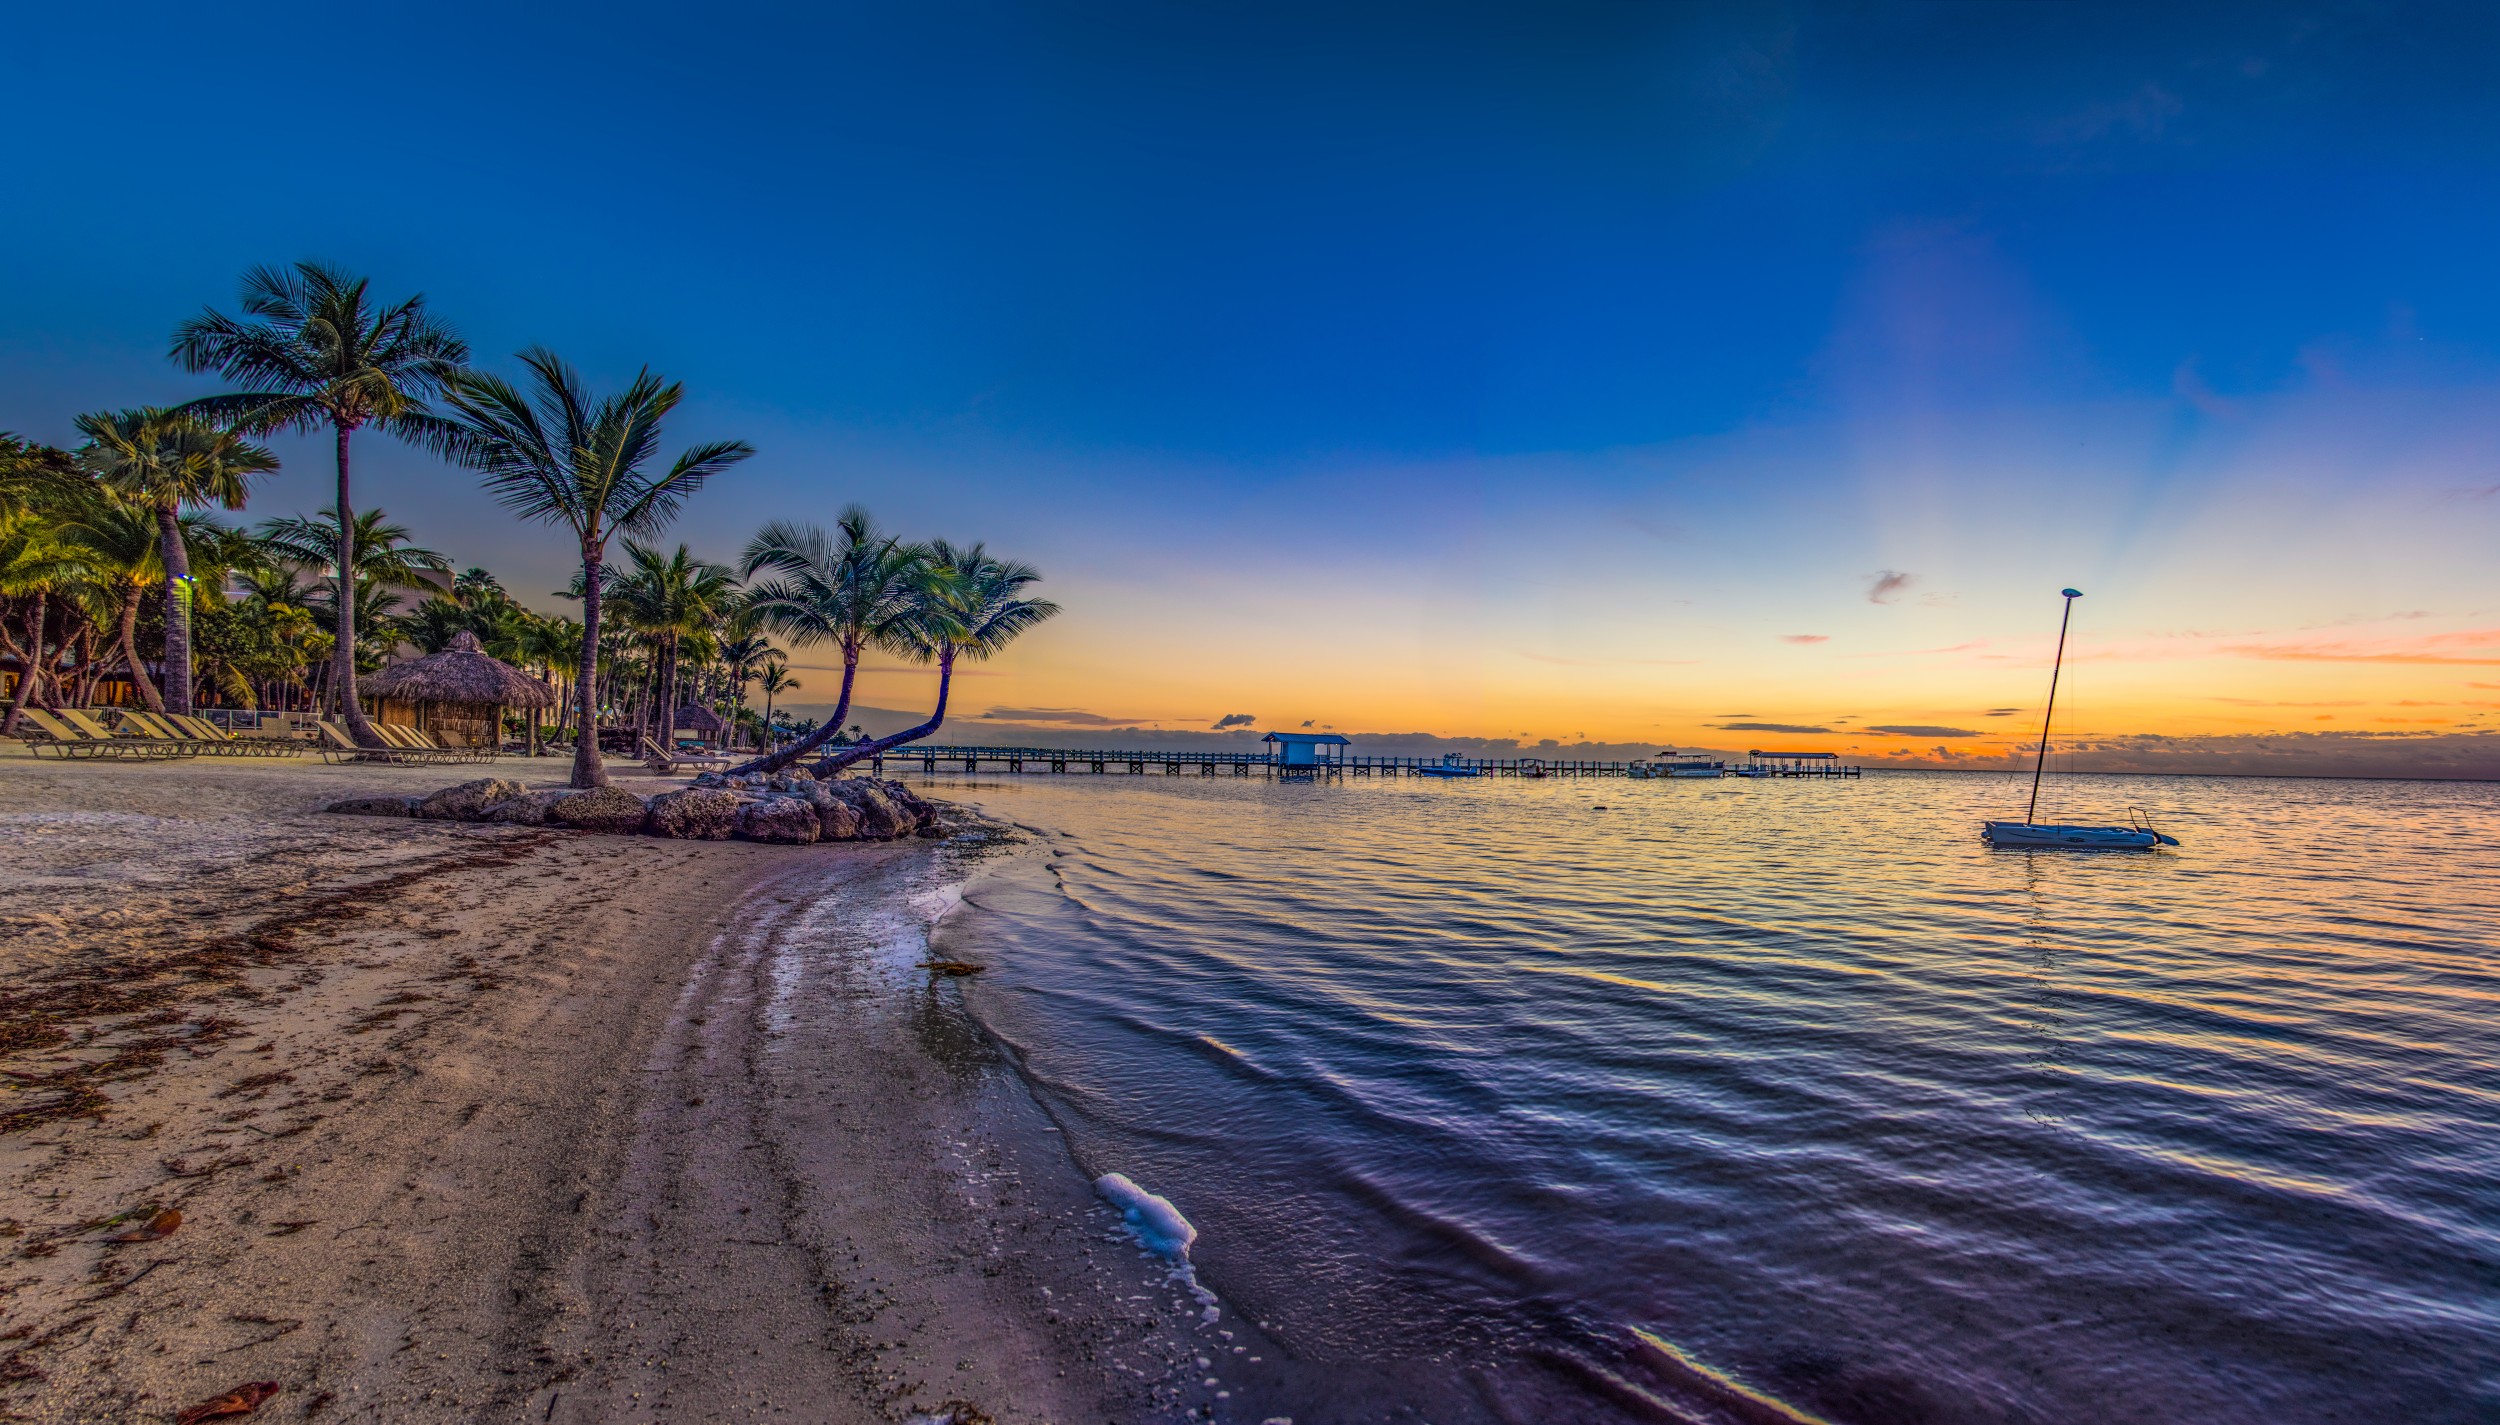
{"x": 458, "y": 695}
{"x": 702, "y": 722}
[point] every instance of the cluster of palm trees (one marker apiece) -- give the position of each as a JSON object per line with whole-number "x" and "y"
{"x": 300, "y": 607}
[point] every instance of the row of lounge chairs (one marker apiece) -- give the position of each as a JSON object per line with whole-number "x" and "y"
{"x": 80, "y": 732}
{"x": 136, "y": 735}
{"x": 405, "y": 744}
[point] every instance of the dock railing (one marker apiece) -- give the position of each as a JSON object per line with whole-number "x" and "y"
{"x": 931, "y": 760}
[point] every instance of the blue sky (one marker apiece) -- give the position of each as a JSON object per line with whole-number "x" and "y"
{"x": 1115, "y": 284}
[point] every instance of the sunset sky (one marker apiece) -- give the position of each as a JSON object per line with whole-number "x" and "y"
{"x": 1730, "y": 378}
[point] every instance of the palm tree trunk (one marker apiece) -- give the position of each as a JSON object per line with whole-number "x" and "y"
{"x": 774, "y": 761}
{"x": 177, "y": 609}
{"x": 129, "y": 641}
{"x": 667, "y": 693}
{"x": 866, "y": 750}
{"x": 31, "y": 661}
{"x": 588, "y": 771}
{"x": 343, "y": 658}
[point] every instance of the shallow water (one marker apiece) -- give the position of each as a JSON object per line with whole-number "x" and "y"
{"x": 1782, "y": 1100}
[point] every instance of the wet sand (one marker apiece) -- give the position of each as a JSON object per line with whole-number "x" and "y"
{"x": 505, "y": 1123}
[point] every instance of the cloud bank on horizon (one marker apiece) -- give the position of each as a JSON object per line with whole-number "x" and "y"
{"x": 1552, "y": 376}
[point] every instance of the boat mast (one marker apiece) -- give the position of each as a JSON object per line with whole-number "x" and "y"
{"x": 2054, "y": 668}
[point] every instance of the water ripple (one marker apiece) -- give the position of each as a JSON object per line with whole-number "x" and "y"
{"x": 1786, "y": 1101}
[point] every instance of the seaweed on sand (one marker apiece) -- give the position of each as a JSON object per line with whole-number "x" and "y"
{"x": 130, "y": 1011}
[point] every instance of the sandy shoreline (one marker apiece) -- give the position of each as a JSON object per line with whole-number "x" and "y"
{"x": 506, "y": 1123}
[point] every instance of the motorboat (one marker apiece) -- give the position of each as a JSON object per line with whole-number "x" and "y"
{"x": 1451, "y": 765}
{"x": 2137, "y": 835}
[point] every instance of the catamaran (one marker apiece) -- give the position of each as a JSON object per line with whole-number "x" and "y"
{"x": 2137, "y": 835}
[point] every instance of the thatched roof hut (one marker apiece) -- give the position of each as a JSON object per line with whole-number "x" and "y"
{"x": 701, "y": 720}
{"x": 461, "y": 691}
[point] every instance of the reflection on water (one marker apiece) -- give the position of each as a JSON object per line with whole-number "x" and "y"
{"x": 1783, "y": 1100}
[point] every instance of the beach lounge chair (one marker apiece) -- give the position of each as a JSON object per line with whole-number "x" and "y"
{"x": 409, "y": 739}
{"x": 336, "y": 746}
{"x": 42, "y": 733}
{"x": 146, "y": 724}
{"x": 483, "y": 752}
{"x": 664, "y": 761}
{"x": 40, "y": 739}
{"x": 136, "y": 738}
{"x": 225, "y": 743}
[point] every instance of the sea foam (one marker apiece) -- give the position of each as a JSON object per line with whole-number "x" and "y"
{"x": 1159, "y": 1227}
{"x": 1154, "y": 1220}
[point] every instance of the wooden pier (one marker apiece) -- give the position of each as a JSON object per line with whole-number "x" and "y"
{"x": 1061, "y": 761}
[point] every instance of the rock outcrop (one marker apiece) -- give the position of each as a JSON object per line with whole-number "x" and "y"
{"x": 527, "y": 809}
{"x": 610, "y": 809}
{"x": 788, "y": 808}
{"x": 879, "y": 818}
{"x": 697, "y": 814}
{"x": 789, "y": 821}
{"x": 469, "y": 801}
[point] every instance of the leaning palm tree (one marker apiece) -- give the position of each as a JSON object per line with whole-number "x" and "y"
{"x": 315, "y": 350}
{"x": 856, "y": 588}
{"x": 164, "y": 460}
{"x": 970, "y": 607}
{"x": 560, "y": 454}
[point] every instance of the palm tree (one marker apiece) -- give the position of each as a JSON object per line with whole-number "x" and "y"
{"x": 475, "y": 587}
{"x": 120, "y": 542}
{"x": 35, "y": 563}
{"x": 555, "y": 645}
{"x": 672, "y": 600}
{"x": 560, "y": 454}
{"x": 742, "y": 651}
{"x": 164, "y": 460}
{"x": 382, "y": 551}
{"x": 856, "y": 588}
{"x": 317, "y": 351}
{"x": 774, "y": 678}
{"x": 971, "y": 606}
{"x": 384, "y": 560}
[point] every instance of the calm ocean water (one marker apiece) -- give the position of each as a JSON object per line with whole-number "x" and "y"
{"x": 1785, "y": 1100}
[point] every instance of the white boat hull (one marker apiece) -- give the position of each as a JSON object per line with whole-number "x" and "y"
{"x": 2086, "y": 838}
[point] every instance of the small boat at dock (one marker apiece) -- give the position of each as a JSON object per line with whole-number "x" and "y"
{"x": 1451, "y": 765}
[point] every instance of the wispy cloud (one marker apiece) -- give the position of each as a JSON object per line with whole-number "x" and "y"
{"x": 2003, "y": 712}
{"x": 1888, "y": 585}
{"x": 1920, "y": 729}
{"x": 2473, "y": 647}
{"x": 1767, "y": 727}
{"x": 1235, "y": 720}
{"x": 1070, "y": 717}
{"x": 1805, "y": 638}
